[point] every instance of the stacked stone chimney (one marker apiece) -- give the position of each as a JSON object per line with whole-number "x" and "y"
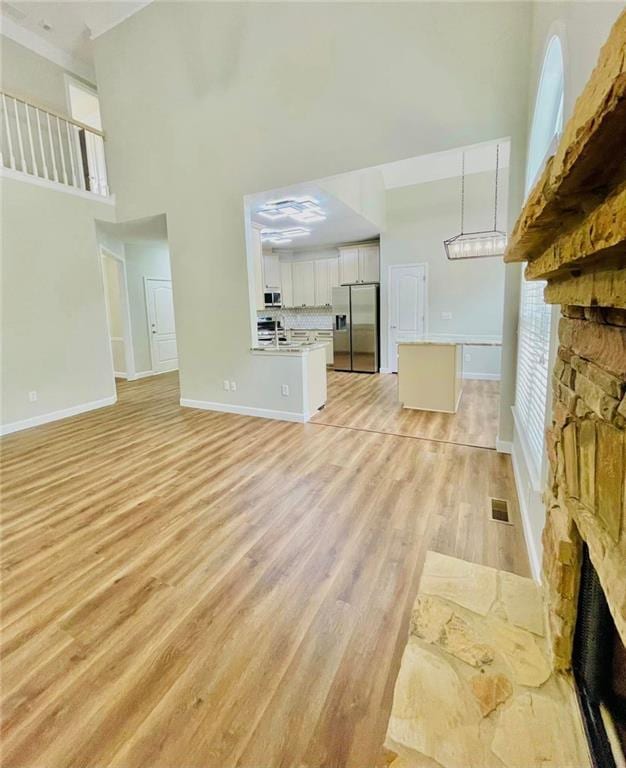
{"x": 572, "y": 233}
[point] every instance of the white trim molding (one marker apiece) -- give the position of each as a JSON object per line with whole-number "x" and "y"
{"x": 9, "y": 173}
{"x": 142, "y": 375}
{"x": 504, "y": 446}
{"x": 245, "y": 410}
{"x": 481, "y": 376}
{"x": 45, "y": 418}
{"x": 532, "y": 547}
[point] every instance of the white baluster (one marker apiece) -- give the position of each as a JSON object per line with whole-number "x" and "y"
{"x": 20, "y": 143}
{"x": 7, "y": 128}
{"x": 43, "y": 154}
{"x": 30, "y": 141}
{"x": 69, "y": 149}
{"x": 55, "y": 173}
{"x": 96, "y": 164}
{"x": 79, "y": 157}
{"x": 63, "y": 168}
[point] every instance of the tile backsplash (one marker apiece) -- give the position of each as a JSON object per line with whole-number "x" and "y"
{"x": 317, "y": 318}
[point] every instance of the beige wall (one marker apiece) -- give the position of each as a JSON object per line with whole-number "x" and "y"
{"x": 419, "y": 218}
{"x": 200, "y": 110}
{"x": 112, "y": 292}
{"x": 27, "y": 74}
{"x": 143, "y": 260}
{"x": 54, "y": 331}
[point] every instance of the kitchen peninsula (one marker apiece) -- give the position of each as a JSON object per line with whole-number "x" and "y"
{"x": 430, "y": 373}
{"x": 313, "y": 360}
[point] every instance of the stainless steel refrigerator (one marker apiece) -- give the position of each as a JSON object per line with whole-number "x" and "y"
{"x": 356, "y": 340}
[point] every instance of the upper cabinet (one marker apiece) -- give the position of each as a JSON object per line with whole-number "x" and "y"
{"x": 349, "y": 265}
{"x": 369, "y": 264}
{"x": 286, "y": 284}
{"x": 303, "y": 276}
{"x": 359, "y": 264}
{"x": 271, "y": 270}
{"x": 322, "y": 283}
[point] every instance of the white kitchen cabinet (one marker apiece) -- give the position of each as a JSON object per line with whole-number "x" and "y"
{"x": 369, "y": 264}
{"x": 322, "y": 283}
{"x": 271, "y": 270}
{"x": 359, "y": 264}
{"x": 349, "y": 265}
{"x": 303, "y": 275}
{"x": 333, "y": 274}
{"x": 286, "y": 284}
{"x": 326, "y": 338}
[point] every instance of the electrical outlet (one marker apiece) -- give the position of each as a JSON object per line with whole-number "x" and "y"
{"x": 446, "y": 315}
{"x": 32, "y": 396}
{"x": 467, "y": 357}
{"x": 233, "y": 386}
{"x": 227, "y": 385}
{"x": 284, "y": 390}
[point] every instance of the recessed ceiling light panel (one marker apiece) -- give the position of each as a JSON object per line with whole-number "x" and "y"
{"x": 299, "y": 209}
{"x": 281, "y": 236}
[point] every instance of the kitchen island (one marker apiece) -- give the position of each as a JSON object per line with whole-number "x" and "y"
{"x": 313, "y": 357}
{"x": 430, "y": 373}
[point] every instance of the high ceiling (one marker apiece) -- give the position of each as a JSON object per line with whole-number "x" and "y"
{"x": 63, "y": 31}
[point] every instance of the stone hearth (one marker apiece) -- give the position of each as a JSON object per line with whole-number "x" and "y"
{"x": 475, "y": 687}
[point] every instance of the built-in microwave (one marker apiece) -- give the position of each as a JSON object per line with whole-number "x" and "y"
{"x": 272, "y": 299}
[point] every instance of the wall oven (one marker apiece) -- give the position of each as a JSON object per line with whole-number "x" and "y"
{"x": 272, "y": 299}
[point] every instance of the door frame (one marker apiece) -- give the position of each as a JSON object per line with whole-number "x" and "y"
{"x": 146, "y": 280}
{"x": 127, "y": 333}
{"x": 390, "y": 267}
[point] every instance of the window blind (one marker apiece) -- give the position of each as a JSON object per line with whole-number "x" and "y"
{"x": 532, "y": 371}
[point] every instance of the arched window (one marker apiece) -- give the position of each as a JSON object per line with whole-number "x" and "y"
{"x": 548, "y": 115}
{"x": 535, "y": 315}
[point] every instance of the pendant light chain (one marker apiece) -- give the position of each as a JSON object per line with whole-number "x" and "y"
{"x": 495, "y": 202}
{"x": 462, "y": 190}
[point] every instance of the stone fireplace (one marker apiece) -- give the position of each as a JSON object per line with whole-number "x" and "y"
{"x": 572, "y": 234}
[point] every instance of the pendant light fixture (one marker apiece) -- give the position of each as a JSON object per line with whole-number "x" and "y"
{"x": 477, "y": 245}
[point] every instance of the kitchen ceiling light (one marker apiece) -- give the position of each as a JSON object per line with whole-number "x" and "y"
{"x": 278, "y": 236}
{"x": 300, "y": 209}
{"x": 477, "y": 245}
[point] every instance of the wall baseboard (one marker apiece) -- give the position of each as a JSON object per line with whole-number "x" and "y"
{"x": 481, "y": 376}
{"x": 245, "y": 410}
{"x": 45, "y": 418}
{"x": 504, "y": 446}
{"x": 141, "y": 375}
{"x": 385, "y": 370}
{"x": 534, "y": 558}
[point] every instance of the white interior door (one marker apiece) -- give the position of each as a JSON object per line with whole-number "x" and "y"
{"x": 407, "y": 306}
{"x": 162, "y": 328}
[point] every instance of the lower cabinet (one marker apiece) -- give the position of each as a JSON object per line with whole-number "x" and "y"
{"x": 325, "y": 337}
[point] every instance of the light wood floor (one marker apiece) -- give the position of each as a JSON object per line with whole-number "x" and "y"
{"x": 190, "y": 589}
{"x": 370, "y": 401}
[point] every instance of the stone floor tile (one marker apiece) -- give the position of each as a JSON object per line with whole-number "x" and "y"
{"x": 522, "y": 602}
{"x": 467, "y": 584}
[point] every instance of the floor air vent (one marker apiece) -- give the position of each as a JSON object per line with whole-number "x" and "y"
{"x": 499, "y": 511}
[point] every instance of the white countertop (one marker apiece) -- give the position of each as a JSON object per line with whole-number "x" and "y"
{"x": 287, "y": 349}
{"x": 452, "y": 342}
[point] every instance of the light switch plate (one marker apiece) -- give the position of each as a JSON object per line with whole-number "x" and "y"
{"x": 285, "y": 390}
{"x": 227, "y": 385}
{"x": 446, "y": 315}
